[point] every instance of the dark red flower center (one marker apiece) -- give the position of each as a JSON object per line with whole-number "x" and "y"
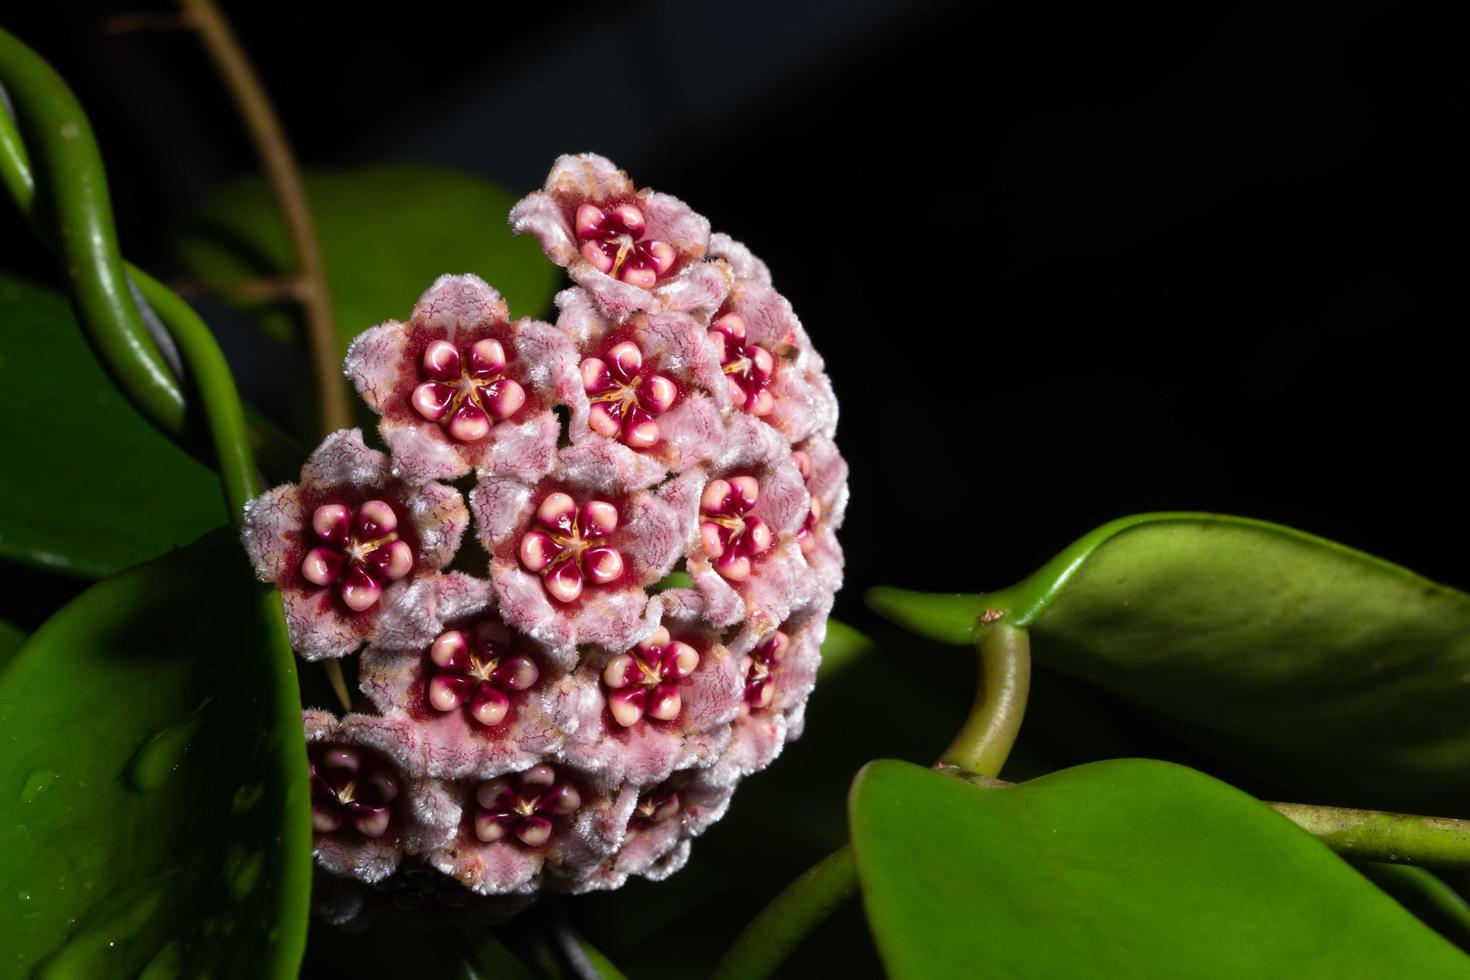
{"x": 749, "y": 368}
{"x": 614, "y": 240}
{"x": 625, "y": 397}
{"x": 658, "y": 806}
{"x": 476, "y": 668}
{"x": 645, "y": 680}
{"x": 350, "y": 788}
{"x": 731, "y": 537}
{"x": 764, "y": 659}
{"x": 565, "y": 545}
{"x": 360, "y": 550}
{"x": 466, "y": 393}
{"x": 524, "y": 806}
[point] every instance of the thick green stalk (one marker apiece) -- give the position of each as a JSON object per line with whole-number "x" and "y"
{"x": 985, "y": 741}
{"x": 1394, "y": 838}
{"x": 74, "y": 213}
{"x": 777, "y": 929}
{"x": 77, "y": 204}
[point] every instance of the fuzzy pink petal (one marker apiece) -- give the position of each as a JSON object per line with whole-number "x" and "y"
{"x": 741, "y": 260}
{"x": 653, "y": 537}
{"x": 407, "y": 615}
{"x": 525, "y": 606}
{"x": 683, "y": 348}
{"x": 755, "y": 741}
{"x": 440, "y": 517}
{"x": 698, "y": 289}
{"x": 606, "y": 616}
{"x": 490, "y": 869}
{"x": 457, "y": 302}
{"x": 693, "y": 430}
{"x": 271, "y": 532}
{"x": 539, "y": 215}
{"x": 579, "y": 318}
{"x": 587, "y": 175}
{"x": 779, "y": 582}
{"x": 597, "y": 461}
{"x": 596, "y": 831}
{"x": 524, "y": 451}
{"x": 671, "y": 220}
{"x": 548, "y": 358}
{"x": 804, "y": 404}
{"x": 609, "y": 617}
{"x": 769, "y": 319}
{"x": 827, "y": 473}
{"x": 723, "y": 605}
{"x": 343, "y": 459}
{"x": 373, "y": 363}
{"x": 502, "y": 508}
{"x": 318, "y": 629}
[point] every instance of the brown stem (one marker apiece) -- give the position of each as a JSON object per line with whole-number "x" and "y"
{"x": 284, "y": 176}
{"x": 271, "y": 289}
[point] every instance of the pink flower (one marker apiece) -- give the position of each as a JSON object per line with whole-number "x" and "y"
{"x": 664, "y": 820}
{"x": 461, "y": 387}
{"x": 747, "y": 506}
{"x": 824, "y": 472}
{"x": 661, "y": 704}
{"x": 779, "y": 670}
{"x": 652, "y": 395}
{"x": 633, "y": 250}
{"x": 556, "y": 728}
{"x": 574, "y": 553}
{"x": 365, "y": 811}
{"x": 480, "y": 697}
{"x": 773, "y": 371}
{"x": 531, "y": 830}
{"x": 353, "y": 549}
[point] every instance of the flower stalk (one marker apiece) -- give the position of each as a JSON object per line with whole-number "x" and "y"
{"x": 310, "y": 287}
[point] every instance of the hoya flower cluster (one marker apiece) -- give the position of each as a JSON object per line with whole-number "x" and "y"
{"x": 545, "y": 712}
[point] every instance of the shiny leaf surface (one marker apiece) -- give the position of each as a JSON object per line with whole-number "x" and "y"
{"x": 90, "y": 487}
{"x": 1126, "y": 868}
{"x": 154, "y": 810}
{"x": 1338, "y": 677}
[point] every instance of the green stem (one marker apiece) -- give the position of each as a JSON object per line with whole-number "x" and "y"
{"x": 790, "y": 917}
{"x": 77, "y": 203}
{"x": 985, "y": 741}
{"x": 210, "y": 374}
{"x": 75, "y": 214}
{"x": 982, "y": 746}
{"x": 1394, "y": 838}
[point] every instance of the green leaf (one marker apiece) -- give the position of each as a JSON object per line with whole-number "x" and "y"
{"x": 11, "y": 638}
{"x": 153, "y": 787}
{"x": 1335, "y": 675}
{"x": 841, "y": 648}
{"x": 89, "y": 486}
{"x": 1127, "y": 868}
{"x": 1432, "y": 901}
{"x": 386, "y": 234}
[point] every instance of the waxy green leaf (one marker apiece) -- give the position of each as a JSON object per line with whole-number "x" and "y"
{"x": 153, "y": 789}
{"x": 90, "y": 487}
{"x": 11, "y": 638}
{"x": 386, "y": 234}
{"x": 842, "y": 646}
{"x": 1126, "y": 868}
{"x": 1338, "y": 677}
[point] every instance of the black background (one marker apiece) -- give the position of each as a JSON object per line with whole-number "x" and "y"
{"x": 1065, "y": 264}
